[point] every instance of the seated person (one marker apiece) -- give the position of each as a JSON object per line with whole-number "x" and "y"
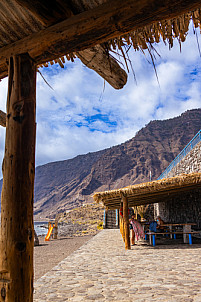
{"x": 157, "y": 226}
{"x": 160, "y": 224}
{"x": 153, "y": 226}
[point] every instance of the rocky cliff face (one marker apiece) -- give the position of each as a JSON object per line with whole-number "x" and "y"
{"x": 63, "y": 185}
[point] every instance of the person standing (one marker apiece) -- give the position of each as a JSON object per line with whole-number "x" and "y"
{"x": 137, "y": 231}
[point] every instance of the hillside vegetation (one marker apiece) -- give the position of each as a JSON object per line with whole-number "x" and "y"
{"x": 81, "y": 221}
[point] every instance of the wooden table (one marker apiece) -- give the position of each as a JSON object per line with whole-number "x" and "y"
{"x": 186, "y": 228}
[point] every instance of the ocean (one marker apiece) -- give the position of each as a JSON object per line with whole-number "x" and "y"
{"x": 41, "y": 227}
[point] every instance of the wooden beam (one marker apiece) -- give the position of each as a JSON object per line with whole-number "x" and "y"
{"x": 94, "y": 58}
{"x": 87, "y": 29}
{"x": 17, "y": 232}
{"x": 126, "y": 223}
{"x": 48, "y": 12}
{"x": 97, "y": 59}
{"x": 2, "y": 119}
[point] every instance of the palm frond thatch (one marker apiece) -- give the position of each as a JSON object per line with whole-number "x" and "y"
{"x": 141, "y": 39}
{"x": 150, "y": 192}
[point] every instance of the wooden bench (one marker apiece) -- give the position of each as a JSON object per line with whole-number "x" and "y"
{"x": 152, "y": 235}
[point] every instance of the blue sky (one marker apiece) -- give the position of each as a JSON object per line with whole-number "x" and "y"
{"x": 80, "y": 115}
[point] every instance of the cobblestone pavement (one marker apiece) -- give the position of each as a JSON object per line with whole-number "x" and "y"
{"x": 101, "y": 270}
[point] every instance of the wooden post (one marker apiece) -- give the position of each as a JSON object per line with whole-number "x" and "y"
{"x": 121, "y": 226}
{"x": 106, "y": 217}
{"x": 136, "y": 212}
{"x": 36, "y": 240}
{"x": 126, "y": 223}
{"x": 123, "y": 234}
{"x": 55, "y": 234}
{"x": 121, "y": 222}
{"x": 123, "y": 229}
{"x": 17, "y": 232}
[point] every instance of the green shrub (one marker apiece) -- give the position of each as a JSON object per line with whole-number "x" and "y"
{"x": 100, "y": 225}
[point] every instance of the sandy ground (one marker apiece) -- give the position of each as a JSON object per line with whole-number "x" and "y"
{"x": 48, "y": 254}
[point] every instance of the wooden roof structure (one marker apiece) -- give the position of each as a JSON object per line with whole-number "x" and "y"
{"x": 55, "y": 30}
{"x": 149, "y": 192}
{"x": 42, "y": 32}
{"x": 146, "y": 193}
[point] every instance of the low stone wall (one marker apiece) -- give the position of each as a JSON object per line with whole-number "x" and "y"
{"x": 186, "y": 206}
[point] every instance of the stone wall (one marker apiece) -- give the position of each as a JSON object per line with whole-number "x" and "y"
{"x": 186, "y": 206}
{"x": 160, "y": 209}
{"x": 190, "y": 163}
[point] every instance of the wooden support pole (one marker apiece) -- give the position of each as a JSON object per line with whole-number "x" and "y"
{"x": 121, "y": 226}
{"x": 55, "y": 234}
{"x": 106, "y": 217}
{"x": 17, "y": 232}
{"x": 123, "y": 234}
{"x": 123, "y": 230}
{"x": 36, "y": 240}
{"x": 126, "y": 223}
{"x": 121, "y": 222}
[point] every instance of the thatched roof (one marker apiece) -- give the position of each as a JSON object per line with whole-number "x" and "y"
{"x": 20, "y": 19}
{"x": 150, "y": 192}
{"x": 43, "y": 28}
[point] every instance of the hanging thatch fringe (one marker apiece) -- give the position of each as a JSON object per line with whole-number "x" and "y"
{"x": 145, "y": 189}
{"x": 166, "y": 30}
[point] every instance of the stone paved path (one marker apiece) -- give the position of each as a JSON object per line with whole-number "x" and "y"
{"x": 101, "y": 270}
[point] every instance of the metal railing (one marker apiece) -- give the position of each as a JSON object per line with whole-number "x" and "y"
{"x": 182, "y": 154}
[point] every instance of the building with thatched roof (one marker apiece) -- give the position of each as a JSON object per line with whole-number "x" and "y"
{"x": 185, "y": 206}
{"x": 167, "y": 191}
{"x": 150, "y": 192}
{"x": 176, "y": 194}
{"x": 181, "y": 196}
{"x": 39, "y": 33}
{"x": 176, "y": 199}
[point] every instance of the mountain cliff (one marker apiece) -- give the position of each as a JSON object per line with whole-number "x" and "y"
{"x": 63, "y": 185}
